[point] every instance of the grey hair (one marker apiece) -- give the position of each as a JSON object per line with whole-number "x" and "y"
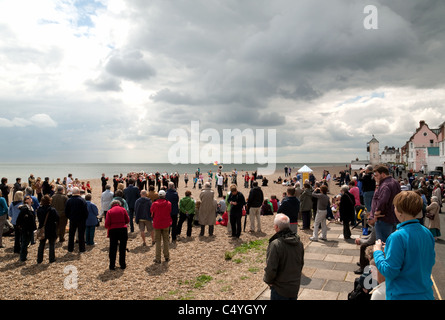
{"x": 171, "y": 185}
{"x": 345, "y": 188}
{"x": 115, "y": 202}
{"x": 28, "y": 191}
{"x": 282, "y": 221}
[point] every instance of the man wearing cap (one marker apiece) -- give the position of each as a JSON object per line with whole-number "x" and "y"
{"x": 160, "y": 212}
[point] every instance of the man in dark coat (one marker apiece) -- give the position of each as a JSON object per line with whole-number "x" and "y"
{"x": 291, "y": 207}
{"x": 131, "y": 194}
{"x": 284, "y": 261}
{"x": 254, "y": 202}
{"x": 77, "y": 213}
{"x": 347, "y": 210}
{"x": 237, "y": 201}
{"x": 172, "y": 196}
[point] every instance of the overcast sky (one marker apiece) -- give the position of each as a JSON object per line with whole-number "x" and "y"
{"x": 107, "y": 80}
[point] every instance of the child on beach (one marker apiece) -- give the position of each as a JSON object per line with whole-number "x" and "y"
{"x": 335, "y": 208}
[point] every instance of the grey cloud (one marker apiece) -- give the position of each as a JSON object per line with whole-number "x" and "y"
{"x": 166, "y": 95}
{"x": 131, "y": 66}
{"x": 104, "y": 83}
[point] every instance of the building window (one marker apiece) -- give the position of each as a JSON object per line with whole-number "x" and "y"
{"x": 425, "y": 134}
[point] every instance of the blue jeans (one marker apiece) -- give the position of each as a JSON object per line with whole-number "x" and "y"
{"x": 367, "y": 199}
{"x": 275, "y": 296}
{"x": 25, "y": 238}
{"x": 89, "y": 235}
{"x": 383, "y": 229}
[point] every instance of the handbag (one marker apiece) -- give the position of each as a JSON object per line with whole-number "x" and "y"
{"x": 41, "y": 231}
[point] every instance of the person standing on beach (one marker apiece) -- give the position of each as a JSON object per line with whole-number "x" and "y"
{"x": 116, "y": 223}
{"x": 77, "y": 213}
{"x": 382, "y": 203}
{"x": 105, "y": 201}
{"x": 4, "y": 188}
{"x": 291, "y": 207}
{"x": 3, "y": 216}
{"x": 284, "y": 261}
{"x": 186, "y": 212}
{"x": 104, "y": 181}
{"x": 58, "y": 202}
{"x": 237, "y": 202}
{"x": 172, "y": 196}
{"x": 254, "y": 203}
{"x": 347, "y": 210}
{"x": 17, "y": 186}
{"x": 368, "y": 186}
{"x": 13, "y": 212}
{"x": 47, "y": 214}
{"x": 320, "y": 218}
{"x": 92, "y": 220}
{"x": 131, "y": 194}
{"x": 207, "y": 209}
{"x": 143, "y": 216}
{"x": 162, "y": 220}
{"x": 26, "y": 223}
{"x": 306, "y": 206}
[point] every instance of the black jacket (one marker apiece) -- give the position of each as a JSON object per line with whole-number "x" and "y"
{"x": 368, "y": 182}
{"x": 284, "y": 263}
{"x": 76, "y": 209}
{"x": 240, "y": 202}
{"x": 256, "y": 198}
{"x": 290, "y": 207}
{"x": 51, "y": 222}
{"x": 347, "y": 207}
{"x": 26, "y": 220}
{"x": 131, "y": 194}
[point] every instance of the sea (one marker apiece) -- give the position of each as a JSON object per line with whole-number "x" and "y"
{"x": 11, "y": 171}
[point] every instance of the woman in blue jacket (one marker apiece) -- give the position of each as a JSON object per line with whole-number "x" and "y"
{"x": 13, "y": 212}
{"x": 409, "y": 253}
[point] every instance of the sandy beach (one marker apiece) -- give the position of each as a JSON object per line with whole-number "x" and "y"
{"x": 85, "y": 276}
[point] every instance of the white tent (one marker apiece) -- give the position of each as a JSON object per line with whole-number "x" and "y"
{"x": 305, "y": 169}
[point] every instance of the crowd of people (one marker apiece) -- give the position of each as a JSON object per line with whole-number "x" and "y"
{"x": 401, "y": 262}
{"x": 373, "y": 198}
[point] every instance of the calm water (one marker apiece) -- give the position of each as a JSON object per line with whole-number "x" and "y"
{"x": 95, "y": 170}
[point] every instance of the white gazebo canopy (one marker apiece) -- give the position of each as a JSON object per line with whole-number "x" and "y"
{"x": 305, "y": 168}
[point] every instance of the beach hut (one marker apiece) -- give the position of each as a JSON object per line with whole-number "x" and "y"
{"x": 304, "y": 170}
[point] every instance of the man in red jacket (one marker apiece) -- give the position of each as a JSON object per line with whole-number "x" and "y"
{"x": 160, "y": 211}
{"x": 116, "y": 223}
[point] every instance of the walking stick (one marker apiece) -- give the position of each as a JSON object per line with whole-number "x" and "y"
{"x": 245, "y": 218}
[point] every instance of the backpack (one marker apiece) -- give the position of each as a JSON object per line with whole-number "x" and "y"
{"x": 358, "y": 294}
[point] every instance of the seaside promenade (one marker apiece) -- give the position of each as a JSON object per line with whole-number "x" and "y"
{"x": 328, "y": 271}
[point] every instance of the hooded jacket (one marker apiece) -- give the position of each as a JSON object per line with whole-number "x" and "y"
{"x": 142, "y": 209}
{"x": 284, "y": 263}
{"x": 160, "y": 211}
